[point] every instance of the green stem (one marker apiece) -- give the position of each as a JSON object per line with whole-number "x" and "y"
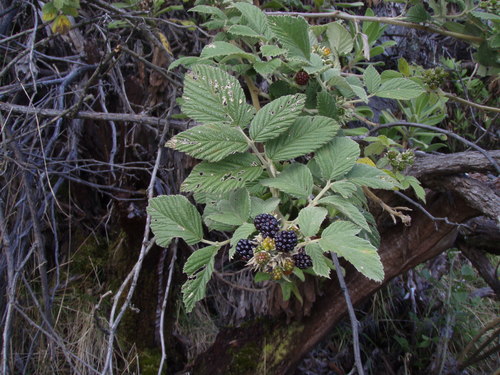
{"x": 216, "y": 243}
{"x": 469, "y": 103}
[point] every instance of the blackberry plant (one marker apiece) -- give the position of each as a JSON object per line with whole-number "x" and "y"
{"x": 280, "y": 152}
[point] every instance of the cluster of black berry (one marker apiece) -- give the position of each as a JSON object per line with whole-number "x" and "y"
{"x": 400, "y": 160}
{"x": 273, "y": 250}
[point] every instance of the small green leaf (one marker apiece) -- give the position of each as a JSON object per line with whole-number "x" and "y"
{"x": 174, "y": 216}
{"x": 344, "y": 188}
{"x": 58, "y": 4}
{"x": 372, "y": 79}
{"x": 364, "y": 175}
{"x": 261, "y": 276}
{"x": 61, "y": 25}
{"x": 186, "y": 61}
{"x": 348, "y": 209}
{"x": 417, "y": 187}
{"x": 259, "y": 206}
{"x": 337, "y": 157}
{"x": 399, "y": 88}
{"x": 275, "y": 117}
{"x": 49, "y": 12}
{"x": 235, "y": 210}
{"x": 212, "y": 142}
{"x": 205, "y": 9}
{"x": 194, "y": 290}
{"x": 254, "y": 18}
{"x": 320, "y": 262}
{"x": 340, "y": 237}
{"x": 213, "y": 96}
{"x": 327, "y": 105}
{"x": 307, "y": 134}
{"x": 299, "y": 273}
{"x": 292, "y": 33}
{"x": 244, "y": 31}
{"x": 418, "y": 14}
{"x": 339, "y": 38}
{"x": 224, "y": 49}
{"x": 198, "y": 259}
{"x": 296, "y": 180}
{"x": 229, "y": 174}
{"x": 310, "y": 220}
{"x": 403, "y": 67}
{"x": 271, "y": 51}
{"x": 265, "y": 68}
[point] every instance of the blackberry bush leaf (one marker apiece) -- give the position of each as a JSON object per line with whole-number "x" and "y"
{"x": 365, "y": 175}
{"x": 307, "y": 134}
{"x": 235, "y": 210}
{"x": 223, "y": 176}
{"x": 337, "y": 157}
{"x": 276, "y": 117}
{"x": 259, "y": 206}
{"x": 292, "y": 34}
{"x": 310, "y": 219}
{"x": 344, "y": 188}
{"x": 348, "y": 209}
{"x": 195, "y": 289}
{"x": 174, "y": 216}
{"x": 296, "y": 180}
{"x": 200, "y": 258}
{"x": 341, "y": 238}
{"x": 372, "y": 79}
{"x": 339, "y": 38}
{"x": 320, "y": 262}
{"x": 212, "y": 142}
{"x": 213, "y": 96}
{"x": 399, "y": 88}
{"x": 243, "y": 231}
{"x": 254, "y": 18}
{"x": 224, "y": 49}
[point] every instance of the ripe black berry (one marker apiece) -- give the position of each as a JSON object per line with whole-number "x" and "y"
{"x": 245, "y": 249}
{"x": 267, "y": 225}
{"x": 285, "y": 241}
{"x": 302, "y": 260}
{"x": 301, "y": 78}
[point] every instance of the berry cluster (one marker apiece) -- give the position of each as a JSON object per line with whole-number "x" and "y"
{"x": 274, "y": 250}
{"x": 434, "y": 78}
{"x": 400, "y": 160}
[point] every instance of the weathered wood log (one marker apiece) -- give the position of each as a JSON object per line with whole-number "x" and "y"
{"x": 276, "y": 347}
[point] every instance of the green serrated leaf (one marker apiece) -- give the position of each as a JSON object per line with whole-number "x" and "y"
{"x": 265, "y": 68}
{"x": 275, "y": 117}
{"x": 341, "y": 84}
{"x": 403, "y": 67}
{"x": 327, "y": 105}
{"x": 194, "y": 290}
{"x": 229, "y": 174}
{"x": 340, "y": 237}
{"x": 186, "y": 61}
{"x": 372, "y": 79}
{"x": 345, "y": 188}
{"x": 261, "y": 276}
{"x": 310, "y": 220}
{"x": 174, "y": 216}
{"x": 364, "y": 175}
{"x": 224, "y": 49}
{"x": 198, "y": 259}
{"x": 254, "y": 18}
{"x": 212, "y": 142}
{"x": 418, "y": 14}
{"x": 205, "y": 9}
{"x": 307, "y": 134}
{"x": 348, "y": 209}
{"x": 271, "y": 51}
{"x": 49, "y": 12}
{"x": 244, "y": 31}
{"x": 292, "y": 33}
{"x": 320, "y": 263}
{"x": 337, "y": 157}
{"x": 399, "y": 88}
{"x": 417, "y": 187}
{"x": 296, "y": 180}
{"x": 244, "y": 231}
{"x": 235, "y": 210}
{"x": 213, "y": 96}
{"x": 259, "y": 206}
{"x": 339, "y": 38}
{"x": 286, "y": 290}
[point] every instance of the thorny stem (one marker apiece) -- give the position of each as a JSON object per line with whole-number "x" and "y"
{"x": 352, "y": 315}
{"x": 469, "y": 103}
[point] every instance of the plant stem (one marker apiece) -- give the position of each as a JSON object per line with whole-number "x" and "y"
{"x": 352, "y": 315}
{"x": 469, "y": 103}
